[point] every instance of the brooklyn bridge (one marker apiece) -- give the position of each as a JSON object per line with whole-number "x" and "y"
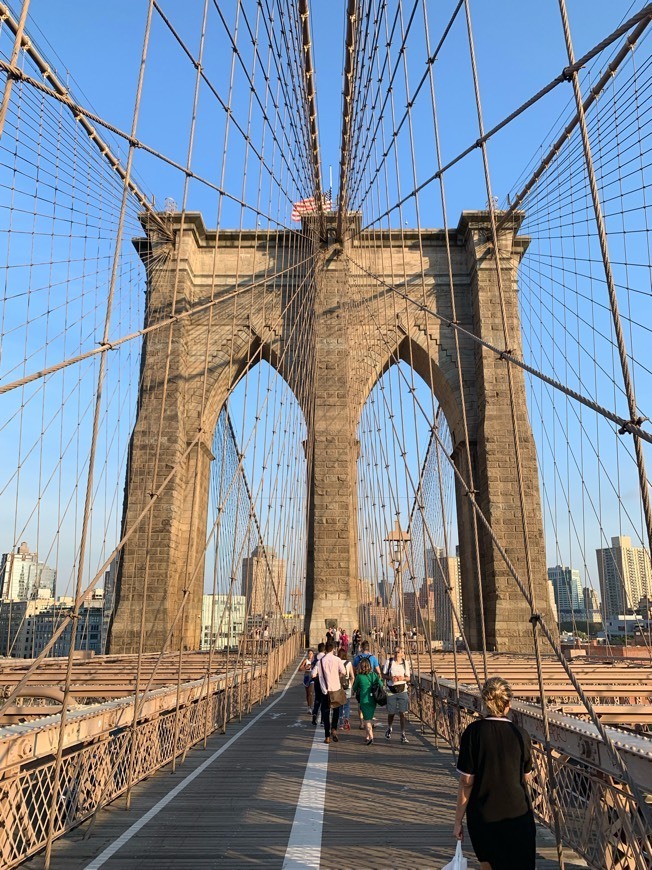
{"x": 246, "y": 402}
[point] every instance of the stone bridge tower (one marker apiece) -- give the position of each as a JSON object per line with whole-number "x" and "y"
{"x": 357, "y": 336}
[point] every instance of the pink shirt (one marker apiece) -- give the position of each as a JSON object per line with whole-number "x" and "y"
{"x": 328, "y": 670}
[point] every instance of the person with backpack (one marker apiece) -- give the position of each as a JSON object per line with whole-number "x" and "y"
{"x": 366, "y": 654}
{"x": 363, "y": 655}
{"x": 364, "y": 686}
{"x": 328, "y": 673}
{"x": 397, "y": 674}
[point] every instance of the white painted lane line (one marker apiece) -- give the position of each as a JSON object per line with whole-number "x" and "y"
{"x": 304, "y": 845}
{"x": 110, "y": 850}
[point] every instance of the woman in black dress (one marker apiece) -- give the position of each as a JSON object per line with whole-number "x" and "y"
{"x": 493, "y": 763}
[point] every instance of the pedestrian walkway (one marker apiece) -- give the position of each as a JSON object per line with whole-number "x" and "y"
{"x": 270, "y": 794}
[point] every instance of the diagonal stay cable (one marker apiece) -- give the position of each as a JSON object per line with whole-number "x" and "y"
{"x": 146, "y": 330}
{"x": 633, "y": 427}
{"x": 645, "y": 15}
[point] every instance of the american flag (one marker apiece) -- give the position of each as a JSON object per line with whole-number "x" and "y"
{"x": 309, "y": 206}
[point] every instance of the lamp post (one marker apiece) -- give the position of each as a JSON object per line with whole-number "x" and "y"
{"x": 398, "y": 541}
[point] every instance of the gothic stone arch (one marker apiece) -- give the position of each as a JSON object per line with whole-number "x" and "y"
{"x": 359, "y": 327}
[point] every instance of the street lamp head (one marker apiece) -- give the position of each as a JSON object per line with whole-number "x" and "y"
{"x": 397, "y": 535}
{"x": 397, "y": 540}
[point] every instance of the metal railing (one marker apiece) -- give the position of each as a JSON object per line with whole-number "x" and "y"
{"x": 599, "y": 817}
{"x": 97, "y": 749}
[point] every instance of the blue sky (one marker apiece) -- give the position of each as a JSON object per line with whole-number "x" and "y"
{"x": 96, "y": 48}
{"x": 519, "y": 49}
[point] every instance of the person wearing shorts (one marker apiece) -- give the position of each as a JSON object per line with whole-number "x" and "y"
{"x": 396, "y": 671}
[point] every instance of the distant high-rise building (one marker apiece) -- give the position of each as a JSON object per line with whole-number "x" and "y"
{"x": 591, "y": 604}
{"x": 625, "y": 576}
{"x": 226, "y": 625}
{"x": 263, "y": 581}
{"x": 22, "y": 575}
{"x": 411, "y": 608}
{"x": 567, "y": 587}
{"x": 551, "y": 599}
{"x": 27, "y": 626}
{"x": 441, "y": 572}
{"x": 109, "y": 599}
{"x": 380, "y": 615}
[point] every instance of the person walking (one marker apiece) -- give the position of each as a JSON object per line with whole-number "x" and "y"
{"x": 316, "y": 707}
{"x": 328, "y": 672}
{"x": 494, "y": 763}
{"x": 306, "y": 666}
{"x": 364, "y": 681}
{"x": 373, "y": 663}
{"x": 396, "y": 671}
{"x": 347, "y": 685}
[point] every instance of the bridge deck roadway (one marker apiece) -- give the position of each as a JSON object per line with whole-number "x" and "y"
{"x": 259, "y": 795}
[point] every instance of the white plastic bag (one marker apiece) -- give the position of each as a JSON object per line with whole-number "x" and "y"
{"x": 459, "y": 862}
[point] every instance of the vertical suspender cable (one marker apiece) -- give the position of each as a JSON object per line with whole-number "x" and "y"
{"x": 347, "y": 107}
{"x": 54, "y": 805}
{"x": 611, "y": 287}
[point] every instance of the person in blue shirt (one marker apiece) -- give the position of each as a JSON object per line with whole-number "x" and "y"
{"x": 365, "y": 654}
{"x": 373, "y": 663}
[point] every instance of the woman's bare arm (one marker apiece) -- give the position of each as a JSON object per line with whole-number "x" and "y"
{"x": 463, "y": 795}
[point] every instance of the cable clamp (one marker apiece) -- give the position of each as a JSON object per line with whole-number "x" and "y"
{"x": 628, "y": 428}
{"x": 535, "y": 619}
{"x": 567, "y": 74}
{"x": 106, "y": 345}
{"x": 504, "y": 354}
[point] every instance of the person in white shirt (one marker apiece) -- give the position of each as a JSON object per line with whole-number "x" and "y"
{"x": 396, "y": 671}
{"x": 327, "y": 671}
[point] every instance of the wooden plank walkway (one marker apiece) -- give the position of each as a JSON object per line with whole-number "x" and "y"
{"x": 387, "y": 805}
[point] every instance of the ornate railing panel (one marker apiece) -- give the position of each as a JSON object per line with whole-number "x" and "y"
{"x": 598, "y": 815}
{"x": 98, "y": 750}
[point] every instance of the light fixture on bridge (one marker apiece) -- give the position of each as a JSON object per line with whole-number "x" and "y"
{"x": 398, "y": 541}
